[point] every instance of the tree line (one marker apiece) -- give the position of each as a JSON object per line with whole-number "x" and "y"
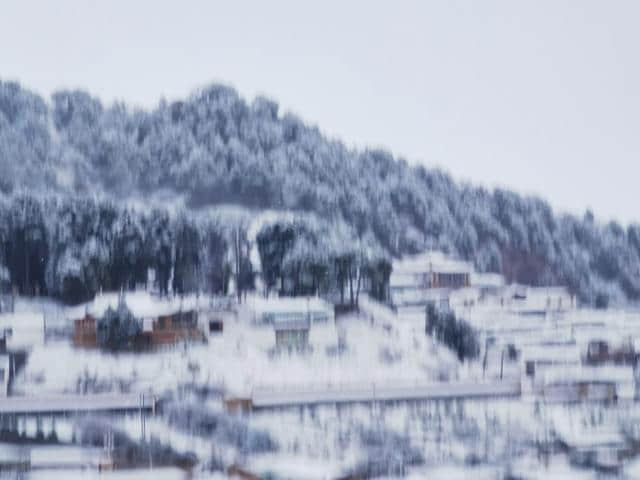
{"x": 216, "y": 148}
{"x": 303, "y": 257}
{"x": 71, "y": 248}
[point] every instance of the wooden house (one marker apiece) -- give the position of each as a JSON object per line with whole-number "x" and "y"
{"x": 85, "y": 332}
{"x": 172, "y": 328}
{"x": 238, "y": 404}
{"x": 162, "y": 322}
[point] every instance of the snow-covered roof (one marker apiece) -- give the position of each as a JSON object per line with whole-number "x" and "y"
{"x": 527, "y": 299}
{"x": 562, "y": 374}
{"x": 65, "y": 456}
{"x": 289, "y": 305}
{"x": 13, "y": 453}
{"x": 465, "y": 293}
{"x": 551, "y": 353}
{"x": 487, "y": 280}
{"x": 26, "y": 329}
{"x": 434, "y": 261}
{"x": 404, "y": 279}
{"x": 581, "y": 438}
{"x": 535, "y": 292}
{"x": 22, "y": 319}
{"x": 295, "y": 466}
{"x": 297, "y": 323}
{"x": 142, "y": 305}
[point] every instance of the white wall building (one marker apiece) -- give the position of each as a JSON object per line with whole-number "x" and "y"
{"x": 426, "y": 278}
{"x": 22, "y": 331}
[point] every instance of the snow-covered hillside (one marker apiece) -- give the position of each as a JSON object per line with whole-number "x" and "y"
{"x": 244, "y": 356}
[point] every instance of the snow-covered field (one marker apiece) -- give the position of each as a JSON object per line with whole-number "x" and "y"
{"x": 243, "y": 357}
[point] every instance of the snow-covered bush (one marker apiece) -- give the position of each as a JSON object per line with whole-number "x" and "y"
{"x": 387, "y": 453}
{"x": 221, "y": 426}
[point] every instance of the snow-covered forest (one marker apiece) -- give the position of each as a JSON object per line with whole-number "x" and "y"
{"x": 71, "y": 169}
{"x": 71, "y": 248}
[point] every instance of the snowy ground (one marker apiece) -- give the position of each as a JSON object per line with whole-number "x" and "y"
{"x": 324, "y": 441}
{"x": 243, "y": 357}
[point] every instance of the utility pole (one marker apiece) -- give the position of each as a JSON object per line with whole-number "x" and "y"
{"x": 142, "y": 425}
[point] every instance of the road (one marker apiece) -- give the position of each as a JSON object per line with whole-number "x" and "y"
{"x": 60, "y": 404}
{"x": 270, "y": 397}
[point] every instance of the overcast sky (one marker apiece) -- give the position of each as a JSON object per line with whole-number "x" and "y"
{"x": 540, "y": 96}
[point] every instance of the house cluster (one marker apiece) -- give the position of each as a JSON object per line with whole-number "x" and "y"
{"x": 290, "y": 323}
{"x": 569, "y": 357}
{"x": 565, "y": 357}
{"x": 436, "y": 278}
{"x": 426, "y": 278}
{"x": 532, "y": 333}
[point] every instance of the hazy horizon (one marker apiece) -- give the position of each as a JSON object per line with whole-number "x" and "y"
{"x": 498, "y": 94}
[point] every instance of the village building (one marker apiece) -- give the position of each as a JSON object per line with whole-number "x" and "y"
{"x": 85, "y": 332}
{"x": 489, "y": 284}
{"x": 465, "y": 298}
{"x": 293, "y": 320}
{"x": 162, "y": 321}
{"x": 427, "y": 278}
{"x": 171, "y": 328}
{"x": 588, "y": 384}
{"x": 616, "y": 350}
{"x": 599, "y": 448}
{"x": 22, "y": 331}
{"x": 216, "y": 313}
{"x": 527, "y": 300}
{"x": 272, "y": 310}
{"x": 19, "y": 334}
{"x": 536, "y": 359}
